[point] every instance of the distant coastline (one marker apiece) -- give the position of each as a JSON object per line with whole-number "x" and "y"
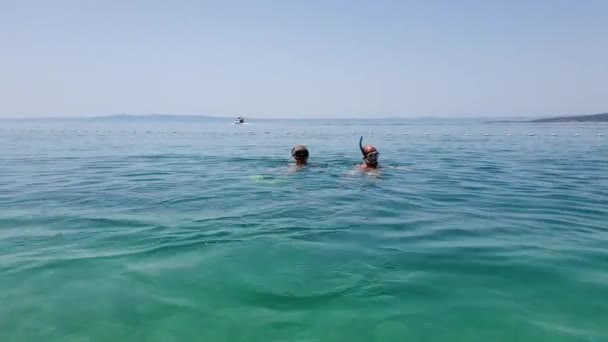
{"x": 603, "y": 117}
{"x": 211, "y": 118}
{"x": 125, "y": 117}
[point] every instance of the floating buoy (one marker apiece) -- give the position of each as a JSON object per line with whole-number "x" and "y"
{"x": 600, "y": 135}
{"x": 530, "y": 134}
{"x": 388, "y": 133}
{"x": 552, "y": 134}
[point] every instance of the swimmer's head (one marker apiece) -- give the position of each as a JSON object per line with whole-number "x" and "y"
{"x": 370, "y": 155}
{"x": 300, "y": 154}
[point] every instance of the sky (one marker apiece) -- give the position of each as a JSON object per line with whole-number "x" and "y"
{"x": 288, "y": 59}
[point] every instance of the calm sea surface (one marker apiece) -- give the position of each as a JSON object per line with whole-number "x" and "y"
{"x": 117, "y": 231}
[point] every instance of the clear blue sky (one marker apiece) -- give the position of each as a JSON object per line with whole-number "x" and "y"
{"x": 303, "y": 59}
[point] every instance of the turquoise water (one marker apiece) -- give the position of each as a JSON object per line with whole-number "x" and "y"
{"x": 197, "y": 232}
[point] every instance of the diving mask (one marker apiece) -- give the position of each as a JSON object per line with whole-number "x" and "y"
{"x": 300, "y": 154}
{"x": 372, "y": 155}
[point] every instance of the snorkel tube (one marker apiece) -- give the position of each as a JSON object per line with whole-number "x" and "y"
{"x": 361, "y": 146}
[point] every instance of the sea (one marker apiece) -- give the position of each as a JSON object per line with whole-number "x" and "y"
{"x": 202, "y": 231}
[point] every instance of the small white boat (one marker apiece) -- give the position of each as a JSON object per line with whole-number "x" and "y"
{"x": 239, "y": 120}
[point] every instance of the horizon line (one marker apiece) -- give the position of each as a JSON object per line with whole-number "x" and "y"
{"x": 216, "y": 117}
{"x": 203, "y": 116}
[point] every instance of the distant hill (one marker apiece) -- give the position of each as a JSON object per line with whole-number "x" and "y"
{"x": 576, "y": 118}
{"x": 204, "y": 118}
{"x": 341, "y": 121}
{"x": 571, "y": 118}
{"x": 157, "y": 117}
{"x": 131, "y": 118}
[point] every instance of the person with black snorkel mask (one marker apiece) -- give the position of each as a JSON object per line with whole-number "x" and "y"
{"x": 300, "y": 155}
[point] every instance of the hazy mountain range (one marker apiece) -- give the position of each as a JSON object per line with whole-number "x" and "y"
{"x": 200, "y": 118}
{"x": 570, "y": 118}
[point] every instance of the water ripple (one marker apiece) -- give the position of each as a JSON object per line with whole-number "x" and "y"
{"x": 491, "y": 237}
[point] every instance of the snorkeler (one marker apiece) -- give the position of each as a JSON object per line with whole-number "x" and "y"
{"x": 370, "y": 156}
{"x": 300, "y": 155}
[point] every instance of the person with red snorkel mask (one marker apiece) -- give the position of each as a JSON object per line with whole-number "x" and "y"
{"x": 370, "y": 156}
